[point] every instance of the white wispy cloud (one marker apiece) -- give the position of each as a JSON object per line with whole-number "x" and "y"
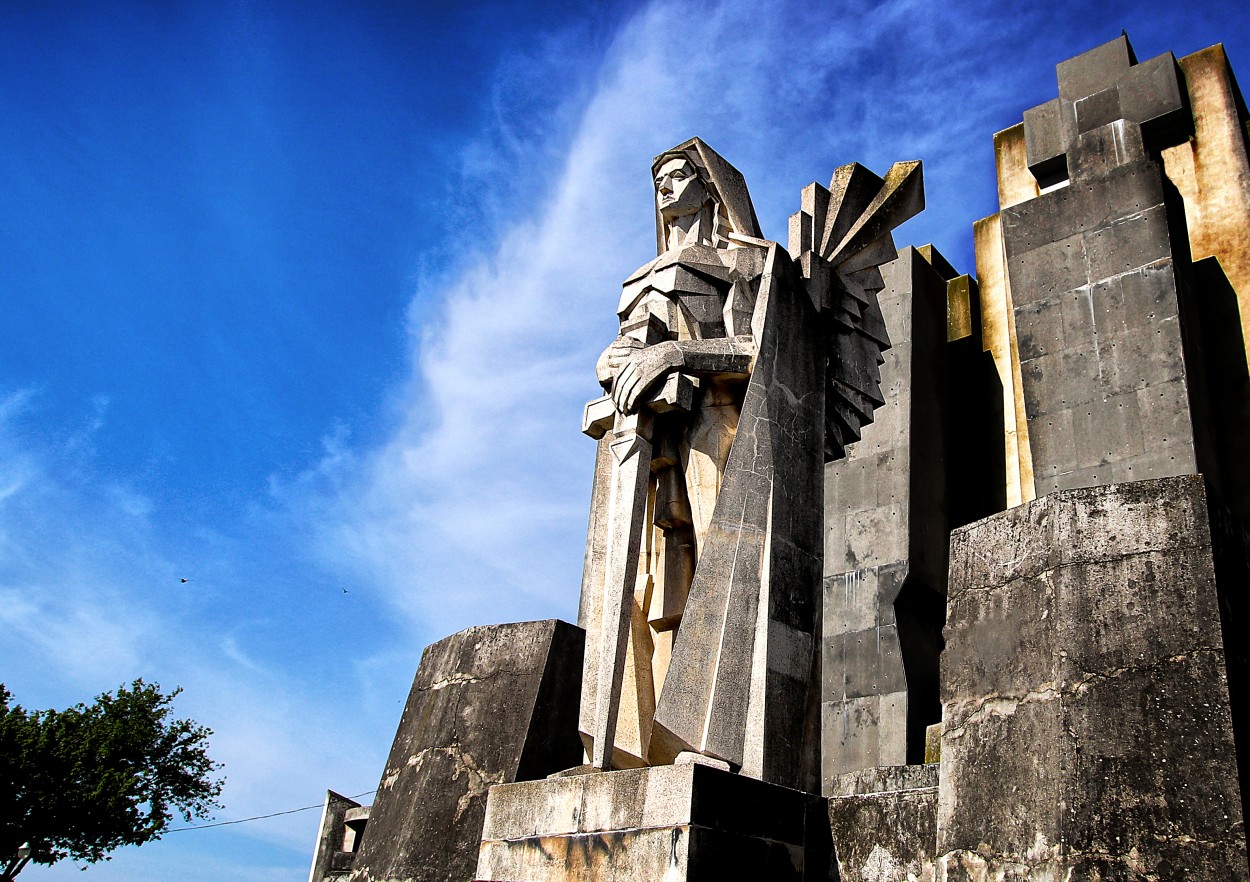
{"x": 474, "y": 510}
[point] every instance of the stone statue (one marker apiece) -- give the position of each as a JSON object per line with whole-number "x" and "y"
{"x": 737, "y": 372}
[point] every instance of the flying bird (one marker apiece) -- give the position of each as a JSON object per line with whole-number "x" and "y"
{"x": 184, "y": 581}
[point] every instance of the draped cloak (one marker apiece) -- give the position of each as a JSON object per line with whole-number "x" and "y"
{"x": 740, "y": 684}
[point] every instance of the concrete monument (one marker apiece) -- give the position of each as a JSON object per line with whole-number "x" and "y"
{"x": 740, "y": 368}
{"x": 1052, "y": 498}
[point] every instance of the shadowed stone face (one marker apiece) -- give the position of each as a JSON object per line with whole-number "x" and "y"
{"x": 679, "y": 191}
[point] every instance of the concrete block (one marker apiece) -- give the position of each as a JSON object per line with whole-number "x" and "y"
{"x": 1144, "y": 356}
{"x": 861, "y": 733}
{"x": 537, "y": 808}
{"x": 1094, "y": 70}
{"x": 898, "y": 804}
{"x": 1099, "y": 151}
{"x": 1048, "y": 269}
{"x": 1054, "y": 216}
{"x": 1113, "y": 433}
{"x": 1149, "y": 294}
{"x": 1097, "y": 110}
{"x": 861, "y": 599}
{"x": 1088, "y": 720}
{"x": 1078, "y": 318}
{"x": 683, "y": 822}
{"x": 873, "y": 538}
{"x": 1052, "y": 445}
{"x": 1063, "y": 380}
{"x": 863, "y": 663}
{"x": 1154, "y": 96}
{"x": 1043, "y": 140}
{"x": 1131, "y": 242}
{"x": 488, "y": 705}
{"x": 1039, "y": 328}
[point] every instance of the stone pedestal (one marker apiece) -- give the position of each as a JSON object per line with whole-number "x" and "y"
{"x": 658, "y": 824}
{"x": 488, "y": 704}
{"x": 884, "y": 823}
{"x": 1089, "y": 731}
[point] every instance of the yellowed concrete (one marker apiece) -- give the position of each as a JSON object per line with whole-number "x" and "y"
{"x": 1015, "y": 181}
{"x": 1212, "y": 171}
{"x": 998, "y": 333}
{"x": 933, "y": 743}
{"x": 958, "y": 308}
{"x": 998, "y": 322}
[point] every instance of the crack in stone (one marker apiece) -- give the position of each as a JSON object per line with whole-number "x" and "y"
{"x": 454, "y": 679}
{"x": 1005, "y": 706}
{"x": 457, "y": 678}
{"x": 479, "y": 781}
{"x": 1047, "y": 569}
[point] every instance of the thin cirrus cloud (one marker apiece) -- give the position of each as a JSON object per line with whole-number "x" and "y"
{"x": 474, "y": 510}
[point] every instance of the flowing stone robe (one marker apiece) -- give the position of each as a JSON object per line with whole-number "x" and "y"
{"x": 721, "y": 650}
{"x": 705, "y": 607}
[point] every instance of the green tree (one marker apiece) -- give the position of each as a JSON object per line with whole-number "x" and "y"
{"x": 81, "y": 782}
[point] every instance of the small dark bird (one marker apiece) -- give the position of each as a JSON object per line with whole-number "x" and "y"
{"x": 184, "y": 581}
{"x": 345, "y": 591}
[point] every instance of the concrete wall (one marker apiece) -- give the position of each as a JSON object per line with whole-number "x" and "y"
{"x": 1089, "y": 728}
{"x": 488, "y": 705}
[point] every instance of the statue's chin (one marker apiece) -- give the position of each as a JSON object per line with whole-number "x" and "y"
{"x": 675, "y": 211}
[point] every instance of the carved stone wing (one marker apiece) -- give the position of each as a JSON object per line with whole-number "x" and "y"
{"x": 840, "y": 237}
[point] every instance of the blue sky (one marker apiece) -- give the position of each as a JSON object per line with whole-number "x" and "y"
{"x": 305, "y": 297}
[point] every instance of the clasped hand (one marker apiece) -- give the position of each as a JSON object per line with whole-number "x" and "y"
{"x": 629, "y": 369}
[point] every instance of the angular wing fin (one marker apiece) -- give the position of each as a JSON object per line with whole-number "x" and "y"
{"x": 840, "y": 237}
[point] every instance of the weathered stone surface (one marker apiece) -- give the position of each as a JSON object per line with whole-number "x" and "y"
{"x": 671, "y": 823}
{"x": 1097, "y": 314}
{"x": 488, "y": 705}
{"x": 1110, "y": 115}
{"x": 884, "y": 823}
{"x": 1212, "y": 172}
{"x": 337, "y": 840}
{"x": 1088, "y": 729}
{"x": 886, "y": 540}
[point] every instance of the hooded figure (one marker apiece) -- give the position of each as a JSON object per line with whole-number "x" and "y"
{"x": 710, "y": 637}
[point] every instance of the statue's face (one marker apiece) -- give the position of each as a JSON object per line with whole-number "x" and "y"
{"x": 679, "y": 191}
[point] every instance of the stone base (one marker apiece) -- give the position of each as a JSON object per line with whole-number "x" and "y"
{"x": 488, "y": 705}
{"x": 659, "y": 824}
{"x": 885, "y": 823}
{"x": 1089, "y": 713}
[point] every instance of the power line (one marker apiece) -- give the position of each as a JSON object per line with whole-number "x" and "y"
{"x": 260, "y": 817}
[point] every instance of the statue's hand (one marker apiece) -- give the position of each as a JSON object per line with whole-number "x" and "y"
{"x": 615, "y": 357}
{"x": 645, "y": 367}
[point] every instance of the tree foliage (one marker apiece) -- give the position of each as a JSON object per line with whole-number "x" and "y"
{"x": 81, "y": 782}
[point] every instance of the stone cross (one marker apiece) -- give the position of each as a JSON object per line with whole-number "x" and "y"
{"x": 1102, "y": 86}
